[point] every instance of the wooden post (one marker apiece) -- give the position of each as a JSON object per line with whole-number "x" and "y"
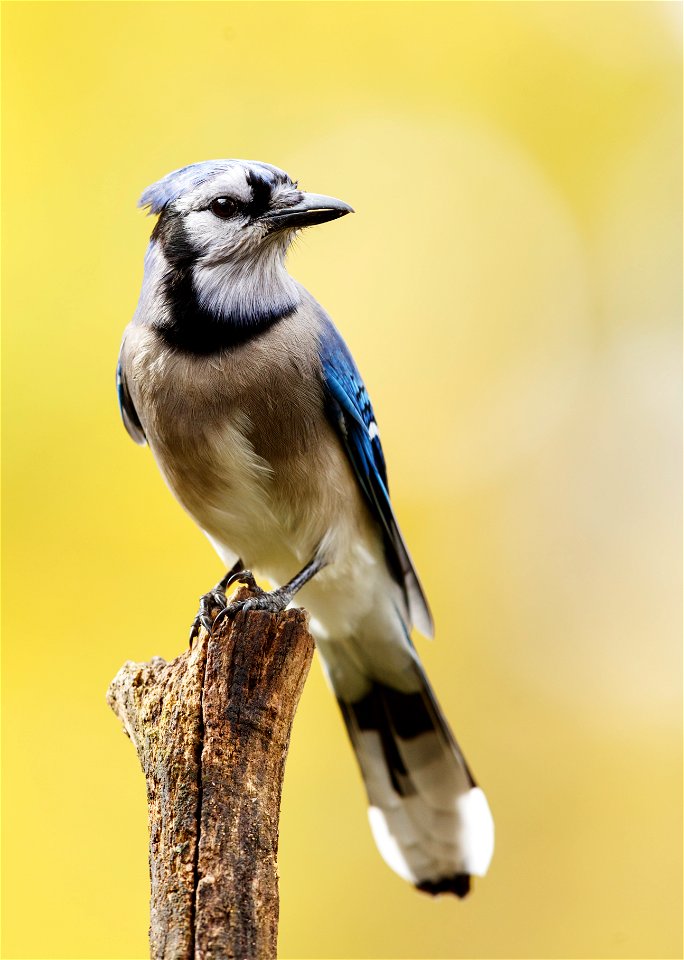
{"x": 212, "y": 729}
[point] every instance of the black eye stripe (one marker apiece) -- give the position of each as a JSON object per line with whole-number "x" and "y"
{"x": 262, "y": 189}
{"x": 262, "y": 185}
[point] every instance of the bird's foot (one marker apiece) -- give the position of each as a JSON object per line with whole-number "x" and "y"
{"x": 214, "y": 606}
{"x": 273, "y": 601}
{"x": 210, "y": 605}
{"x": 213, "y": 602}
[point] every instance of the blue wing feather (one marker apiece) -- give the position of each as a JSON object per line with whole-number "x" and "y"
{"x": 351, "y": 412}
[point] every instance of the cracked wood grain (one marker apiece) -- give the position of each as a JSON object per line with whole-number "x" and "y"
{"x": 212, "y": 730}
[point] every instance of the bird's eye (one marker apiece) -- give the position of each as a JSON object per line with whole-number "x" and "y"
{"x": 223, "y": 207}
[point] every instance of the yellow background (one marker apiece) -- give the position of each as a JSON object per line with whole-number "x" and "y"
{"x": 510, "y": 286}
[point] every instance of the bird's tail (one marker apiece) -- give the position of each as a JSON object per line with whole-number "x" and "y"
{"x": 430, "y": 820}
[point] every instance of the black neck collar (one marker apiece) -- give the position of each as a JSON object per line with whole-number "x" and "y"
{"x": 192, "y": 328}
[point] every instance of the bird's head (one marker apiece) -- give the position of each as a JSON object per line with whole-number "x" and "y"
{"x": 220, "y": 241}
{"x": 220, "y": 210}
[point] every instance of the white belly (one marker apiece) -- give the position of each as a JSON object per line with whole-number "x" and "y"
{"x": 228, "y": 490}
{"x": 276, "y": 519}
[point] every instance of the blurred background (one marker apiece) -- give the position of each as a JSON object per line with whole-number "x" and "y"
{"x": 511, "y": 288}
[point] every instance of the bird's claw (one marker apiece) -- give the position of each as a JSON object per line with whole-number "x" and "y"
{"x": 214, "y": 606}
{"x": 210, "y": 606}
{"x": 247, "y": 578}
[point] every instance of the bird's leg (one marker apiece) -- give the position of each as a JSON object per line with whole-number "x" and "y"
{"x": 273, "y": 601}
{"x": 213, "y": 602}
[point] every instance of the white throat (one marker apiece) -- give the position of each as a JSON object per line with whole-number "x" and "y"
{"x": 243, "y": 289}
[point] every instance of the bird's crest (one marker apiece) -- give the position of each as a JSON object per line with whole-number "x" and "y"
{"x": 179, "y": 182}
{"x": 165, "y": 191}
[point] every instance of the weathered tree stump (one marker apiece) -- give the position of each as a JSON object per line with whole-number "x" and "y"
{"x": 212, "y": 730}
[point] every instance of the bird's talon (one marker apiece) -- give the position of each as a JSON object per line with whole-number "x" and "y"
{"x": 245, "y": 577}
{"x": 221, "y": 615}
{"x": 210, "y": 606}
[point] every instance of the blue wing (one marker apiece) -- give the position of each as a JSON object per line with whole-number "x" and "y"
{"x": 349, "y": 409}
{"x": 129, "y": 414}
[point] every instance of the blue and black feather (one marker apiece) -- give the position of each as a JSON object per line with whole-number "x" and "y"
{"x": 349, "y": 408}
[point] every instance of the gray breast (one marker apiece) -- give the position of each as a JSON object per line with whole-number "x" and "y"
{"x": 241, "y": 437}
{"x": 272, "y": 381}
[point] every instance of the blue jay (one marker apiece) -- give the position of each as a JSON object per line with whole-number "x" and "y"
{"x": 262, "y": 428}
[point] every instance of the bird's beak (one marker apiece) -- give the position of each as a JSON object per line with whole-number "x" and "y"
{"x": 311, "y": 208}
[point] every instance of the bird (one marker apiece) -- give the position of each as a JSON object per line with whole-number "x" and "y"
{"x": 261, "y": 425}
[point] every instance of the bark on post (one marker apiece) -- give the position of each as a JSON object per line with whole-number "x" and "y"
{"x": 212, "y": 729}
